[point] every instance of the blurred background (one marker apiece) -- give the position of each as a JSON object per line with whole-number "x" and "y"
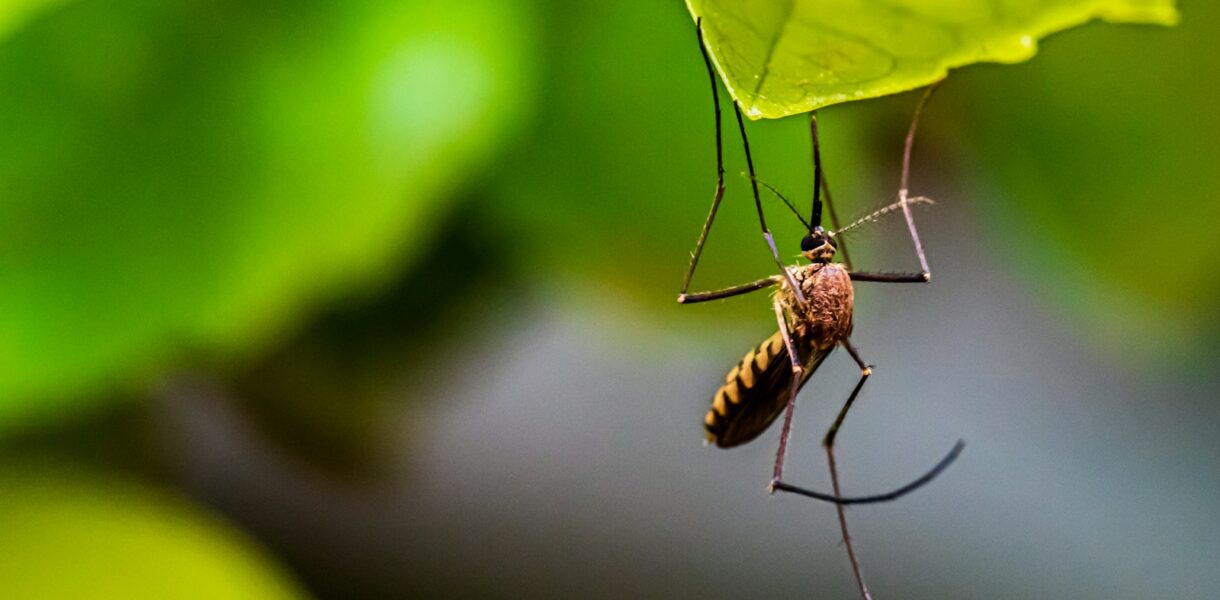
{"x": 376, "y": 299}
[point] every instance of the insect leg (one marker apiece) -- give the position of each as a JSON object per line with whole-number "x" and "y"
{"x": 736, "y": 290}
{"x": 711, "y": 216}
{"x": 925, "y": 274}
{"x": 820, "y": 184}
{"x": 777, "y": 484}
{"x": 762, "y": 221}
{"x": 903, "y": 188}
{"x": 921, "y": 481}
{"x": 719, "y": 194}
{"x": 865, "y": 371}
{"x": 891, "y": 277}
{"x": 798, "y": 371}
{"x": 828, "y": 443}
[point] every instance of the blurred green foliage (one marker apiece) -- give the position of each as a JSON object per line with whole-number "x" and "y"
{"x": 1101, "y": 172}
{"x": 195, "y": 175}
{"x": 787, "y": 57}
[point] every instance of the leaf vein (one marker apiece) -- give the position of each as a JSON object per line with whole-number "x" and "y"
{"x": 766, "y": 69}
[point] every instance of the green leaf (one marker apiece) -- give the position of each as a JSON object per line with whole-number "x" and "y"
{"x": 15, "y": 13}
{"x": 72, "y": 536}
{"x": 785, "y": 57}
{"x": 194, "y": 177}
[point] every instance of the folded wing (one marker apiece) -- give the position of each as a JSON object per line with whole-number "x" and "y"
{"x": 756, "y": 390}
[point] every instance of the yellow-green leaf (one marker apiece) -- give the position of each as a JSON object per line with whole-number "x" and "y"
{"x": 68, "y": 535}
{"x": 15, "y": 13}
{"x": 785, "y": 57}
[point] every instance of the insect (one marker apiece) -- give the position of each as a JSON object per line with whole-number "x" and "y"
{"x": 813, "y": 308}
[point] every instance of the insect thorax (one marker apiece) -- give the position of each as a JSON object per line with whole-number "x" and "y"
{"x": 826, "y": 316}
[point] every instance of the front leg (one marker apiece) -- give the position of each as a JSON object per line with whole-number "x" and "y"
{"x": 922, "y": 277}
{"x": 904, "y": 201}
{"x": 925, "y": 273}
{"x": 737, "y": 290}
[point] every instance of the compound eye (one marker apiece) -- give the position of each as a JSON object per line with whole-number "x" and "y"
{"x": 809, "y": 243}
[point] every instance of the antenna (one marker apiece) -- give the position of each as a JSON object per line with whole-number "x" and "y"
{"x": 789, "y": 204}
{"x": 881, "y": 212}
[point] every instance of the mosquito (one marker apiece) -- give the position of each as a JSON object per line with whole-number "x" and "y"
{"x": 813, "y": 310}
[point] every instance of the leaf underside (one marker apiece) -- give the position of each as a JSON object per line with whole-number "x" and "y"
{"x": 786, "y": 57}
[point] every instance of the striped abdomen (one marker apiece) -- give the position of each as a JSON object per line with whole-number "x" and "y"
{"x": 756, "y": 390}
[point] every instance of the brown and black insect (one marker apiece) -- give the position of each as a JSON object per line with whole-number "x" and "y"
{"x": 813, "y": 308}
